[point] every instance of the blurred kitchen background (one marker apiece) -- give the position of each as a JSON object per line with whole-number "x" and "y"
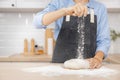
{"x": 16, "y": 18}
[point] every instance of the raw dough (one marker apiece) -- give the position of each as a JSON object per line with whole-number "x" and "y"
{"x": 76, "y": 64}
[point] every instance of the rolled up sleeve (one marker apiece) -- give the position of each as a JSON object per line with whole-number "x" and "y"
{"x": 37, "y": 21}
{"x": 103, "y": 35}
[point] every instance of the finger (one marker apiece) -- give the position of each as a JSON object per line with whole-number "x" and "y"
{"x": 85, "y": 11}
{"x": 100, "y": 65}
{"x": 74, "y": 14}
{"x": 71, "y": 10}
{"x": 97, "y": 61}
{"x": 95, "y": 65}
{"x": 75, "y": 11}
{"x": 92, "y": 66}
{"x": 79, "y": 11}
{"x": 82, "y": 11}
{"x": 91, "y": 63}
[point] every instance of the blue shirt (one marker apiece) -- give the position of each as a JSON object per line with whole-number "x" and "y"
{"x": 103, "y": 32}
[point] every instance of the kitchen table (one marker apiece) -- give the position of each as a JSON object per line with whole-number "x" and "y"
{"x": 35, "y": 71}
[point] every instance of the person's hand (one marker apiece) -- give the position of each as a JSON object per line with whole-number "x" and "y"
{"x": 95, "y": 63}
{"x": 77, "y": 10}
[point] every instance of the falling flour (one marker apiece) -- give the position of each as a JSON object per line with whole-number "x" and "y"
{"x": 59, "y": 70}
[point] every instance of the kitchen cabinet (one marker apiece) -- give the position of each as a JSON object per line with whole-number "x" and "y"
{"x": 7, "y": 3}
{"x": 21, "y": 4}
{"x": 40, "y": 4}
{"x": 43, "y": 3}
{"x": 32, "y": 3}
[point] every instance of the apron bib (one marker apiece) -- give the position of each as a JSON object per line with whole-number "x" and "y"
{"x": 69, "y": 38}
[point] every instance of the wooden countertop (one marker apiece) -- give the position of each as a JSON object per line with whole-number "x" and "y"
{"x": 26, "y": 58}
{"x": 112, "y": 58}
{"x": 13, "y": 71}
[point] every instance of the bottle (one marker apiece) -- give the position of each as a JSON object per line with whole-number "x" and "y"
{"x": 25, "y": 47}
{"x": 39, "y": 49}
{"x": 49, "y": 41}
{"x": 32, "y": 50}
{"x": 50, "y": 46}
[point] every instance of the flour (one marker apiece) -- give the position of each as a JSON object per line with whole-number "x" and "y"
{"x": 59, "y": 70}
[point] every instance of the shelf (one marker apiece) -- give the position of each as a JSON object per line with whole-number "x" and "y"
{"x": 30, "y": 58}
{"x": 116, "y": 10}
{"x": 20, "y": 9}
{"x": 40, "y": 9}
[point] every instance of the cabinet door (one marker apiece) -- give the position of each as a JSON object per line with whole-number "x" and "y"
{"x": 32, "y": 3}
{"x": 7, "y": 3}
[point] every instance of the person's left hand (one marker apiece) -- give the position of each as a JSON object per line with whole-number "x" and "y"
{"x": 95, "y": 63}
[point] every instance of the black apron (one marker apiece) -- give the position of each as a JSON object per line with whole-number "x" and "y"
{"x": 67, "y": 41}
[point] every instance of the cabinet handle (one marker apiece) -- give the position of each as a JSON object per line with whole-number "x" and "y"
{"x": 12, "y": 5}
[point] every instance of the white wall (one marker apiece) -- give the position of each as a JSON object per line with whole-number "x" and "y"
{"x": 14, "y": 28}
{"x": 114, "y": 22}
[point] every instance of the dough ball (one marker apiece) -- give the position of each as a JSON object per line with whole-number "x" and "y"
{"x": 76, "y": 64}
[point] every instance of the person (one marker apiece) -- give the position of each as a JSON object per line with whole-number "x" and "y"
{"x": 57, "y": 9}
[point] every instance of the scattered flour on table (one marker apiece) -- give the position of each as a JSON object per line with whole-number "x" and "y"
{"x": 59, "y": 70}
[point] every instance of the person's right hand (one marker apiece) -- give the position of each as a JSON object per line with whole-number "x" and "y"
{"x": 77, "y": 10}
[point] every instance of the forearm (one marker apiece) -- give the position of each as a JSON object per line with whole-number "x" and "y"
{"x": 53, "y": 16}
